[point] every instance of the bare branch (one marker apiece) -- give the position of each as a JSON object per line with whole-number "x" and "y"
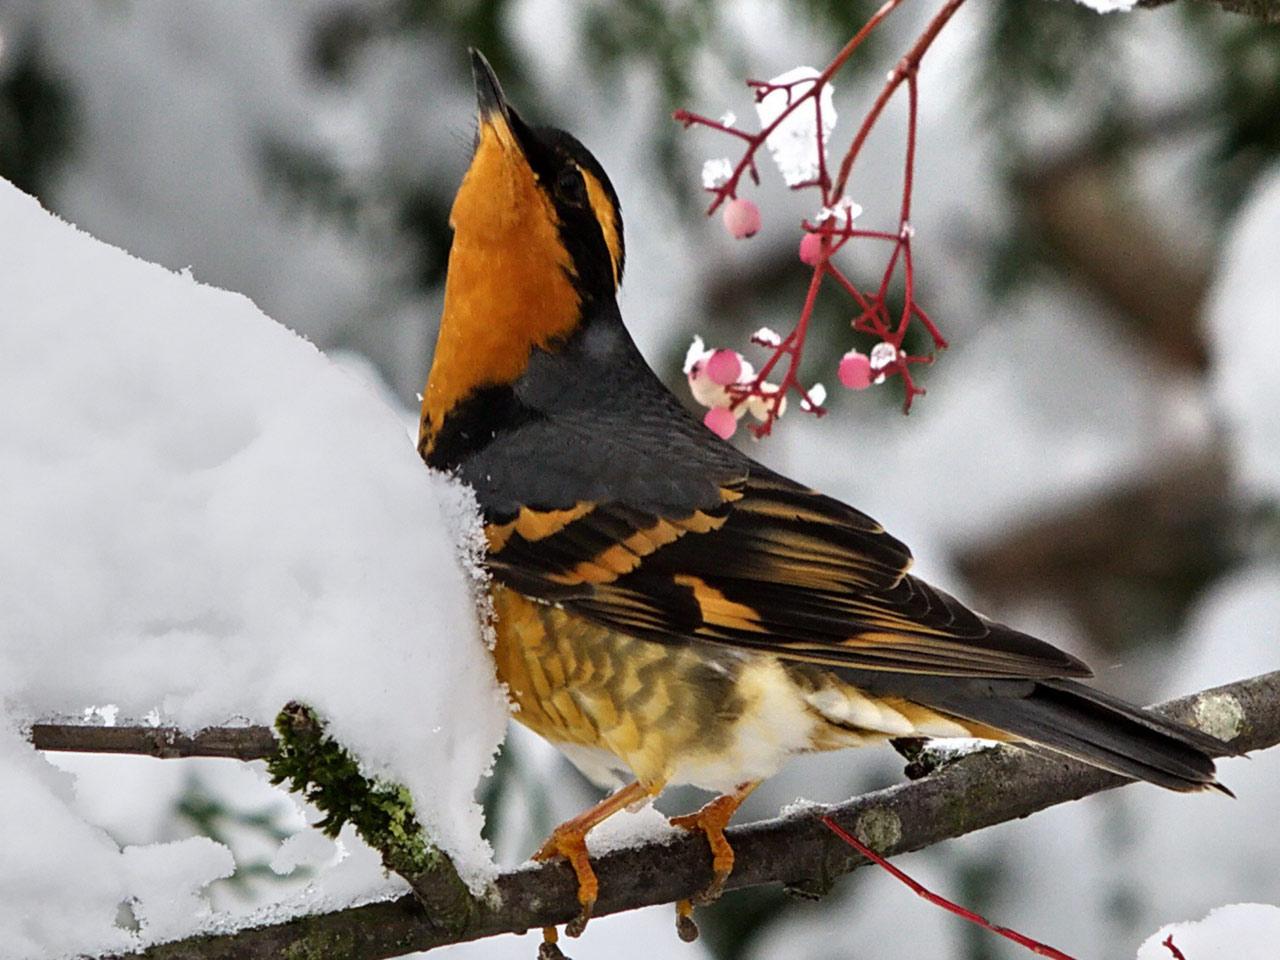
{"x": 1268, "y": 11}
{"x": 977, "y": 791}
{"x": 166, "y": 743}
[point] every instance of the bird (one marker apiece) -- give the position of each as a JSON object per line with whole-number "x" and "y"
{"x": 666, "y": 609}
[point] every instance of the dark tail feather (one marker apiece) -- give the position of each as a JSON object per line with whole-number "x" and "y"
{"x": 1089, "y": 725}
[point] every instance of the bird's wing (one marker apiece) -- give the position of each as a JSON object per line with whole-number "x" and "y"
{"x": 773, "y": 567}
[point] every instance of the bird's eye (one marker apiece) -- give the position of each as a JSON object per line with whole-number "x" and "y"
{"x": 570, "y": 188}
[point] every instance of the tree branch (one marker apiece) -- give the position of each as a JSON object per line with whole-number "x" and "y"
{"x": 166, "y": 743}
{"x": 1268, "y": 11}
{"x": 976, "y": 791}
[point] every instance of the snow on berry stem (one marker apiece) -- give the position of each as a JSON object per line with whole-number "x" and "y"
{"x": 873, "y": 317}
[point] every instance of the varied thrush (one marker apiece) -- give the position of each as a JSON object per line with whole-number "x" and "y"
{"x": 667, "y": 609}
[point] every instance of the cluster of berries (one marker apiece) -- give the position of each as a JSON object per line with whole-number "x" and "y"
{"x": 797, "y": 117}
{"x": 720, "y": 379}
{"x": 726, "y": 383}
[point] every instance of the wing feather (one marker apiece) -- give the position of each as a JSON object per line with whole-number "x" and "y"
{"x": 774, "y": 567}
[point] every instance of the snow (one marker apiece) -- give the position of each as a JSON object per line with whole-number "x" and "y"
{"x": 630, "y": 828}
{"x": 1241, "y": 931}
{"x": 716, "y": 172}
{"x": 203, "y": 519}
{"x": 306, "y": 848}
{"x": 766, "y": 337}
{"x": 167, "y": 879}
{"x": 696, "y": 354}
{"x": 817, "y": 396}
{"x": 883, "y": 354}
{"x": 844, "y": 211}
{"x": 61, "y": 880}
{"x": 794, "y": 144}
{"x": 1109, "y": 6}
{"x": 1029, "y": 377}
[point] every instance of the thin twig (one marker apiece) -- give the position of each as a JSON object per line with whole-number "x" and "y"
{"x": 166, "y": 743}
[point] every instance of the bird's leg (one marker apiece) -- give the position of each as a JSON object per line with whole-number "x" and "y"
{"x": 711, "y": 820}
{"x": 569, "y": 840}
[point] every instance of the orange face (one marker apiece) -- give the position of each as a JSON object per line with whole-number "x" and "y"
{"x": 509, "y": 286}
{"x": 513, "y": 284}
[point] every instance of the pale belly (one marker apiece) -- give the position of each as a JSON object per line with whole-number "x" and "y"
{"x": 623, "y": 708}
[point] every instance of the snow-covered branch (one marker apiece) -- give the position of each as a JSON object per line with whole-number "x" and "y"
{"x": 978, "y": 790}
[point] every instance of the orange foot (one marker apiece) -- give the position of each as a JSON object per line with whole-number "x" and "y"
{"x": 711, "y": 820}
{"x": 569, "y": 840}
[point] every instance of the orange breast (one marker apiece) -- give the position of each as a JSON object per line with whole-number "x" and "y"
{"x": 508, "y": 288}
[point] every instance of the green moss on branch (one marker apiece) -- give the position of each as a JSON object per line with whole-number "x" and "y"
{"x": 316, "y": 766}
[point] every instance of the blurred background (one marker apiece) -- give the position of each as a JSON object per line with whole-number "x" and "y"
{"x": 1097, "y": 460}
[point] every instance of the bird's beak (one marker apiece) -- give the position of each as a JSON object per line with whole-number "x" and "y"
{"x": 498, "y": 121}
{"x": 489, "y": 96}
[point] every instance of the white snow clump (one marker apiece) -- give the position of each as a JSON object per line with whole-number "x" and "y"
{"x": 202, "y": 518}
{"x": 794, "y": 144}
{"x": 716, "y": 173}
{"x": 1109, "y": 6}
{"x": 1241, "y": 931}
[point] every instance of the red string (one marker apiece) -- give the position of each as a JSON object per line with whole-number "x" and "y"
{"x": 1035, "y": 946}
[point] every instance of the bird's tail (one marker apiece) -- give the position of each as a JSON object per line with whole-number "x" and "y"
{"x": 1071, "y": 718}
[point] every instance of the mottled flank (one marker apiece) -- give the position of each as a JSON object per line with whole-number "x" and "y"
{"x": 622, "y": 707}
{"x": 624, "y": 703}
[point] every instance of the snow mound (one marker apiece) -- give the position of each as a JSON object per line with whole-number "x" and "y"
{"x": 1241, "y": 931}
{"x": 203, "y": 517}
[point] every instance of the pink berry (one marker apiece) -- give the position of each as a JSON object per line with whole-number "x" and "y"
{"x": 741, "y": 218}
{"x": 811, "y": 249}
{"x": 721, "y": 422}
{"x": 724, "y": 367}
{"x": 855, "y": 370}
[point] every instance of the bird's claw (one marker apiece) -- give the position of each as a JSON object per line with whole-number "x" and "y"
{"x": 711, "y": 821}
{"x": 571, "y": 844}
{"x": 686, "y": 926}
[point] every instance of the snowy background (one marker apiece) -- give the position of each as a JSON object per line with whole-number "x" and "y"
{"x": 202, "y": 516}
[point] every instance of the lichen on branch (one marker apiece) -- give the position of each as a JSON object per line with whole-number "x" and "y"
{"x": 321, "y": 770}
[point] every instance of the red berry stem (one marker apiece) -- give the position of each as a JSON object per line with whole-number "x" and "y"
{"x": 873, "y": 317}
{"x": 1035, "y": 946}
